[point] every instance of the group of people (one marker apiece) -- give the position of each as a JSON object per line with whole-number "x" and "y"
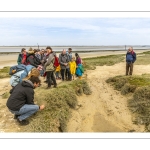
{"x": 45, "y": 63}
{"x": 39, "y": 63}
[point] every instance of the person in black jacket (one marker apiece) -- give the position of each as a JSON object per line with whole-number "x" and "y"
{"x": 32, "y": 59}
{"x": 21, "y": 100}
{"x": 130, "y": 59}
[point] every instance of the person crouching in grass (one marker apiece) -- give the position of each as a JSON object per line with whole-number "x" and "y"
{"x": 21, "y": 100}
{"x": 73, "y": 66}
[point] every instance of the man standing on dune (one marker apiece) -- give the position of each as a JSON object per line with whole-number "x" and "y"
{"x": 130, "y": 59}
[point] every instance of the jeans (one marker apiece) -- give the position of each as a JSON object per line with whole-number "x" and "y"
{"x": 25, "y": 111}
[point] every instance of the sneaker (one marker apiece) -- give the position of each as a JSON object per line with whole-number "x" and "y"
{"x": 16, "y": 116}
{"x": 23, "y": 122}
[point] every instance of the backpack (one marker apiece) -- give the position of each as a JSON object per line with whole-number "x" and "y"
{"x": 56, "y": 62}
{"x": 16, "y": 68}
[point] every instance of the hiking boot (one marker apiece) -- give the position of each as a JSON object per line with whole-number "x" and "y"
{"x": 16, "y": 116}
{"x": 55, "y": 86}
{"x": 48, "y": 87}
{"x": 45, "y": 81}
{"x": 23, "y": 122}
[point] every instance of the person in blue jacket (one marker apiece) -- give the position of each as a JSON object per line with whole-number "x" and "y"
{"x": 130, "y": 59}
{"x": 18, "y": 76}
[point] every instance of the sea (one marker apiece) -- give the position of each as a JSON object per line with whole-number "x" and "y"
{"x": 17, "y": 49}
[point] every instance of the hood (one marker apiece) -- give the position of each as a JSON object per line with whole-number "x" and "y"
{"x": 27, "y": 83}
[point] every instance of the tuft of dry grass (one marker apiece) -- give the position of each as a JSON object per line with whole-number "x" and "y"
{"x": 4, "y": 72}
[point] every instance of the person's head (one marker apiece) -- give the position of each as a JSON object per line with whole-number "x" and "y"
{"x": 64, "y": 52}
{"x": 36, "y": 81}
{"x": 73, "y": 59}
{"x": 69, "y": 50}
{"x": 49, "y": 49}
{"x": 130, "y": 49}
{"x": 42, "y": 51}
{"x": 30, "y": 51}
{"x": 33, "y": 73}
{"x": 76, "y": 54}
{"x": 35, "y": 51}
{"x": 23, "y": 50}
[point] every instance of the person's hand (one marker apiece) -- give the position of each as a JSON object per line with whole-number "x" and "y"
{"x": 42, "y": 107}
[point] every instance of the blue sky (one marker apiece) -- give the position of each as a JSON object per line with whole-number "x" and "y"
{"x": 74, "y": 31}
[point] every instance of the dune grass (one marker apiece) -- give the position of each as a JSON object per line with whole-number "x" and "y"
{"x": 91, "y": 63}
{"x": 143, "y": 58}
{"x": 59, "y": 102}
{"x": 4, "y": 72}
{"x": 139, "y": 88}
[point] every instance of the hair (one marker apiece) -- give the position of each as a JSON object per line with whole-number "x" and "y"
{"x": 23, "y": 49}
{"x": 70, "y": 49}
{"x": 34, "y": 73}
{"x": 76, "y": 54}
{"x": 48, "y": 47}
{"x": 30, "y": 51}
{"x": 35, "y": 80}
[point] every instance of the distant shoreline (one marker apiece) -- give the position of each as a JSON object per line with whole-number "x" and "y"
{"x": 87, "y": 51}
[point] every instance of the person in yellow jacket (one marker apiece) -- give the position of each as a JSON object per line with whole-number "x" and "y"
{"x": 57, "y": 73}
{"x": 73, "y": 66}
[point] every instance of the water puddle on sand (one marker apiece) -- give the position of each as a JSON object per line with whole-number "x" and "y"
{"x": 102, "y": 125}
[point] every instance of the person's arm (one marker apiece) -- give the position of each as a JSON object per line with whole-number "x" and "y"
{"x": 19, "y": 59}
{"x": 50, "y": 58}
{"x": 134, "y": 57}
{"x": 60, "y": 60}
{"x": 30, "y": 96}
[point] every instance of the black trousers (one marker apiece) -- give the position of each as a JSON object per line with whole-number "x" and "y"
{"x": 51, "y": 78}
{"x": 68, "y": 74}
{"x": 62, "y": 71}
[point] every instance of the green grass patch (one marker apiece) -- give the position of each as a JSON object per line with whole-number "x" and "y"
{"x": 5, "y": 95}
{"x": 59, "y": 102}
{"x": 4, "y": 72}
{"x": 143, "y": 58}
{"x": 91, "y": 63}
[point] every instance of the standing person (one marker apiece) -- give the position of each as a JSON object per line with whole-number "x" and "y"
{"x": 78, "y": 59}
{"x": 130, "y": 59}
{"x": 69, "y": 53}
{"x": 49, "y": 68}
{"x": 20, "y": 56}
{"x": 21, "y": 100}
{"x": 73, "y": 66}
{"x": 64, "y": 60}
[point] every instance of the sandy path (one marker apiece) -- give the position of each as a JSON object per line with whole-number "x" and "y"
{"x": 106, "y": 109}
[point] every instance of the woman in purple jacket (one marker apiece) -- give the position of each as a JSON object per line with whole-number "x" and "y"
{"x": 78, "y": 59}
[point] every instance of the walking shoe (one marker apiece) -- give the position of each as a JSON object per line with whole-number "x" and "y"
{"x": 23, "y": 122}
{"x": 55, "y": 86}
{"x": 48, "y": 87}
{"x": 16, "y": 116}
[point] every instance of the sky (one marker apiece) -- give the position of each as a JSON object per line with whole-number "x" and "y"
{"x": 74, "y": 31}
